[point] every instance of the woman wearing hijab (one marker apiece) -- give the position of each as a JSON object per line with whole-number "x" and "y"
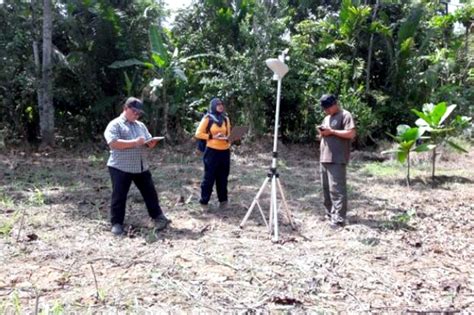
{"x": 215, "y": 128}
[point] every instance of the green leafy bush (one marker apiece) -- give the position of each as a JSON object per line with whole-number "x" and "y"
{"x": 366, "y": 120}
{"x": 407, "y": 138}
{"x": 432, "y": 119}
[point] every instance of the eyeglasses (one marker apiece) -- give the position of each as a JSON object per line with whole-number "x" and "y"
{"x": 135, "y": 111}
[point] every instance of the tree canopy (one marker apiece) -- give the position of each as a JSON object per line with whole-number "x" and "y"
{"x": 381, "y": 58}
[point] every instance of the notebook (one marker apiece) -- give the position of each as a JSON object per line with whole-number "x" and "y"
{"x": 154, "y": 139}
{"x": 237, "y": 133}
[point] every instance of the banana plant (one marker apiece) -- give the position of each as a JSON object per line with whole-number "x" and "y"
{"x": 432, "y": 119}
{"x": 407, "y": 138}
{"x": 402, "y": 49}
{"x": 166, "y": 70}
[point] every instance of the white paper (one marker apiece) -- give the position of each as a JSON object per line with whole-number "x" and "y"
{"x": 154, "y": 139}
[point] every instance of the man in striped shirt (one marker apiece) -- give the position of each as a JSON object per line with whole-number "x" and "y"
{"x": 127, "y": 163}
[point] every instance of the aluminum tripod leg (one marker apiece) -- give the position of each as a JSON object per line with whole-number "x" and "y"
{"x": 272, "y": 224}
{"x": 285, "y": 204}
{"x": 274, "y": 208}
{"x": 255, "y": 202}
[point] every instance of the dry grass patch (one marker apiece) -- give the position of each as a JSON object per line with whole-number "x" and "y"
{"x": 403, "y": 250}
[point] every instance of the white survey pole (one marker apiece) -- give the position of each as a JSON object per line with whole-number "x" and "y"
{"x": 279, "y": 69}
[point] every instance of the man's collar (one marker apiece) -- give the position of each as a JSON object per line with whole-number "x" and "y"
{"x": 122, "y": 117}
{"x": 339, "y": 110}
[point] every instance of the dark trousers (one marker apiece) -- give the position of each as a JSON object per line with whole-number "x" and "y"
{"x": 121, "y": 182}
{"x": 333, "y": 180}
{"x": 216, "y": 169}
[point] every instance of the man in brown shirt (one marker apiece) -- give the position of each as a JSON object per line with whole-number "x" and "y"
{"x": 336, "y": 132}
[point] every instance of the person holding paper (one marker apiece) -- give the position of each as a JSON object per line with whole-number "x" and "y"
{"x": 216, "y": 156}
{"x": 128, "y": 139}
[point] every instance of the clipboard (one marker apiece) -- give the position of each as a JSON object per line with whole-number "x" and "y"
{"x": 154, "y": 139}
{"x": 237, "y": 133}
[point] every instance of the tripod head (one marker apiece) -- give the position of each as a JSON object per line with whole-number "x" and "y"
{"x": 278, "y": 67}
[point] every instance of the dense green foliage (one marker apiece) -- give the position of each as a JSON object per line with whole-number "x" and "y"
{"x": 380, "y": 57}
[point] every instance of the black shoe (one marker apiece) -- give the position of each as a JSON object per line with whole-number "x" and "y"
{"x": 161, "y": 222}
{"x": 223, "y": 205}
{"x": 117, "y": 229}
{"x": 336, "y": 225}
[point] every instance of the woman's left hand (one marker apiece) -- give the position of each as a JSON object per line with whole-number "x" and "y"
{"x": 220, "y": 136}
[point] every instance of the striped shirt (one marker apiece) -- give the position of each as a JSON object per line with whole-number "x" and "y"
{"x": 132, "y": 160}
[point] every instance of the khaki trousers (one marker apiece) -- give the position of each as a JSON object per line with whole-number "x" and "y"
{"x": 333, "y": 180}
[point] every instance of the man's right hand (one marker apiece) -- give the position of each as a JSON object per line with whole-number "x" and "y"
{"x": 139, "y": 141}
{"x": 326, "y": 132}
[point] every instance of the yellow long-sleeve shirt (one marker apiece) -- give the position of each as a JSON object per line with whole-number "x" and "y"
{"x": 215, "y": 129}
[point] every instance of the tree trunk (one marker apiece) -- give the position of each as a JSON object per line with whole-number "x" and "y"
{"x": 32, "y": 132}
{"x": 466, "y": 40}
{"x": 36, "y": 57}
{"x": 165, "y": 114}
{"x": 408, "y": 169}
{"x": 433, "y": 167}
{"x": 36, "y": 54}
{"x": 46, "y": 109}
{"x": 369, "y": 57}
{"x": 466, "y": 54}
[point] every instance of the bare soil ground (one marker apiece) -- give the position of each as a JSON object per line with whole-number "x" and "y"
{"x": 404, "y": 249}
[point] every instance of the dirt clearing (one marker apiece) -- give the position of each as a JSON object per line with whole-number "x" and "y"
{"x": 404, "y": 249}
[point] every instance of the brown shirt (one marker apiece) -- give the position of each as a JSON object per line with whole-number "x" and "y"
{"x": 334, "y": 149}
